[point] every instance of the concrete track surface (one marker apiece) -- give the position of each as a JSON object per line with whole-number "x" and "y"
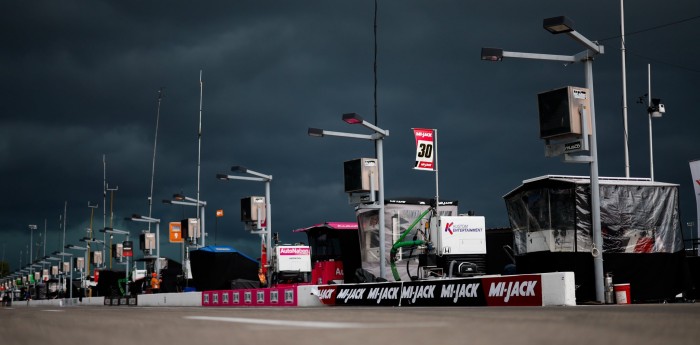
{"x": 616, "y": 324}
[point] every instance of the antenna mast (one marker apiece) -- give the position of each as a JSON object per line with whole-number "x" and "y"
{"x": 624, "y": 86}
{"x": 104, "y": 204}
{"x": 199, "y": 152}
{"x": 153, "y": 167}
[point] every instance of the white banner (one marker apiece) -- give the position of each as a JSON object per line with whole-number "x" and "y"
{"x": 425, "y": 149}
{"x": 695, "y": 172}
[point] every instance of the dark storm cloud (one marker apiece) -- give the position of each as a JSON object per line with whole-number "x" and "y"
{"x": 81, "y": 80}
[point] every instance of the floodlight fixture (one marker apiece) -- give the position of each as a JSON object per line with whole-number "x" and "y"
{"x": 558, "y": 25}
{"x": 239, "y": 169}
{"x": 352, "y": 118}
{"x": 114, "y": 231}
{"x": 356, "y": 119}
{"x": 491, "y": 54}
{"x": 315, "y": 132}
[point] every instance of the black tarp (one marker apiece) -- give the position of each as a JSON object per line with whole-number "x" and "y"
{"x": 215, "y": 267}
{"x": 652, "y": 277}
{"x": 107, "y": 283}
{"x": 170, "y": 276}
{"x": 332, "y": 241}
{"x": 694, "y": 268}
{"x": 496, "y": 257}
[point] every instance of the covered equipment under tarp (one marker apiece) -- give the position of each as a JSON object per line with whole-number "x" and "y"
{"x": 399, "y": 213}
{"x": 215, "y": 267}
{"x": 642, "y": 240}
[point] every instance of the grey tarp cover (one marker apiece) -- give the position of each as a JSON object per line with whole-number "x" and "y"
{"x": 399, "y": 213}
{"x": 637, "y": 215}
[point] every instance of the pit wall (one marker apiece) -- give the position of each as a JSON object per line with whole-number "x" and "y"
{"x": 86, "y": 301}
{"x": 488, "y": 291}
{"x": 290, "y": 296}
{"x": 546, "y": 289}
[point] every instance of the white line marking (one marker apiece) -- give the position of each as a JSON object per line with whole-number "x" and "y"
{"x": 317, "y": 324}
{"x": 53, "y": 310}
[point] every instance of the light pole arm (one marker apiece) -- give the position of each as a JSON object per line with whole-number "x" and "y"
{"x": 245, "y": 178}
{"x": 598, "y": 49}
{"x": 185, "y": 203}
{"x": 348, "y": 135}
{"x": 535, "y": 56}
{"x": 260, "y": 175}
{"x": 371, "y": 126}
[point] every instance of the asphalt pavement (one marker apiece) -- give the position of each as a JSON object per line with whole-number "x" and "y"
{"x": 607, "y": 324}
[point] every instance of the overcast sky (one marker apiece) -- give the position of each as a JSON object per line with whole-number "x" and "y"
{"x": 80, "y": 79}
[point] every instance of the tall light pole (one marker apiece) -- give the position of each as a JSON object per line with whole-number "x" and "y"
{"x": 63, "y": 225}
{"x": 558, "y": 25}
{"x": 89, "y": 242}
{"x": 86, "y": 251}
{"x": 144, "y": 219}
{"x": 654, "y": 110}
{"x": 45, "y": 238}
{"x": 111, "y": 220}
{"x": 112, "y": 231}
{"x": 267, "y": 179}
{"x": 53, "y": 258}
{"x": 378, "y": 138}
{"x": 70, "y": 269}
{"x": 32, "y": 227}
{"x": 92, "y": 213}
{"x": 179, "y": 199}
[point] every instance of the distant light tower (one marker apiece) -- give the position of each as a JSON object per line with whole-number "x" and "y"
{"x": 111, "y": 222}
{"x": 32, "y": 227}
{"x": 92, "y": 213}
